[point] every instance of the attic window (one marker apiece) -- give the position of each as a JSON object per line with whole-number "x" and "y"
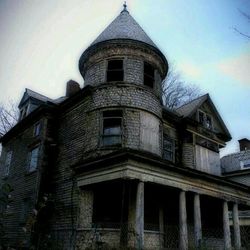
{"x": 23, "y": 112}
{"x": 148, "y": 75}
{"x": 205, "y": 120}
{"x": 115, "y": 70}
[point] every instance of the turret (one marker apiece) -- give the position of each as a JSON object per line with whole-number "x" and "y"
{"x": 126, "y": 70}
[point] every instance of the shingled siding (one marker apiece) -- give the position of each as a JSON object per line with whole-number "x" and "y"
{"x": 188, "y": 155}
{"x": 133, "y": 65}
{"x": 25, "y": 184}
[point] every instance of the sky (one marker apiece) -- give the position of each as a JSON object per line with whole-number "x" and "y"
{"x": 41, "y": 43}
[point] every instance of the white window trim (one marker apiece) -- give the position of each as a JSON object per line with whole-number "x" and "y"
{"x": 33, "y": 159}
{"x": 243, "y": 163}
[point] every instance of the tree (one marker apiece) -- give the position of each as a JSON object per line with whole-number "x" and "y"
{"x": 176, "y": 91}
{"x": 8, "y": 116}
{"x": 247, "y": 17}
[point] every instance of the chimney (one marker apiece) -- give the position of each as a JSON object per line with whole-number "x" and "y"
{"x": 244, "y": 144}
{"x": 72, "y": 88}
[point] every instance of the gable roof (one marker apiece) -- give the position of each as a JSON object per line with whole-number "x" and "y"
{"x": 38, "y": 97}
{"x": 124, "y": 26}
{"x": 32, "y": 94}
{"x": 188, "y": 109}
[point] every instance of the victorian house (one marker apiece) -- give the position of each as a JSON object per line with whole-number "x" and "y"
{"x": 119, "y": 169}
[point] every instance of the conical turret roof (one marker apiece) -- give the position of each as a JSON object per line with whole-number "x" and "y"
{"x": 124, "y": 27}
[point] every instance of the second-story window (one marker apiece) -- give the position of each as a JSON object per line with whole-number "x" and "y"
{"x": 149, "y": 73}
{"x": 33, "y": 162}
{"x": 37, "y": 129}
{"x": 168, "y": 148}
{"x": 112, "y": 128}
{"x": 115, "y": 70}
{"x": 7, "y": 163}
{"x": 205, "y": 120}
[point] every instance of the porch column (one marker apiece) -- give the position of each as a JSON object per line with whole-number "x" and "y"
{"x": 183, "y": 241}
{"x": 237, "y": 240}
{"x": 161, "y": 226}
{"x": 197, "y": 221}
{"x": 226, "y": 227}
{"x": 139, "y": 216}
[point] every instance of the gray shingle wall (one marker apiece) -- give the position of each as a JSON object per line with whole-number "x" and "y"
{"x": 188, "y": 155}
{"x": 133, "y": 71}
{"x": 95, "y": 74}
{"x": 25, "y": 184}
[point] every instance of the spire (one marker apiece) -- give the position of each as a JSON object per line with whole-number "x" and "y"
{"x": 124, "y": 7}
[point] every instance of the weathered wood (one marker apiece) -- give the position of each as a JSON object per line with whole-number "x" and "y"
{"x": 226, "y": 227}
{"x": 236, "y": 224}
{"x": 183, "y": 241}
{"x": 197, "y": 221}
{"x": 139, "y": 218}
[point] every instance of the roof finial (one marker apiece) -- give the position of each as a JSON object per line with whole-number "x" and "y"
{"x": 125, "y": 7}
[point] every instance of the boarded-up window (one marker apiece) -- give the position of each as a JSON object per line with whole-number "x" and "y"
{"x": 112, "y": 128}
{"x": 149, "y": 138}
{"x": 115, "y": 70}
{"x": 207, "y": 160}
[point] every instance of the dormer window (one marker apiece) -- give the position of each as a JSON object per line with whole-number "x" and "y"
{"x": 23, "y": 112}
{"x": 149, "y": 75}
{"x": 205, "y": 120}
{"x": 115, "y": 71}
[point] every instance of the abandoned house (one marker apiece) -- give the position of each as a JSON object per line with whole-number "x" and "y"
{"x": 108, "y": 166}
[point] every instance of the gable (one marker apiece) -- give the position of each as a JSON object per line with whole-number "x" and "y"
{"x": 205, "y": 104}
{"x": 208, "y": 111}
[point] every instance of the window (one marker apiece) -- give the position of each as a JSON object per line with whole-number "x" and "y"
{"x": 23, "y": 112}
{"x": 205, "y": 120}
{"x": 33, "y": 159}
{"x": 148, "y": 75}
{"x": 168, "y": 148}
{"x": 37, "y": 129}
{"x": 245, "y": 164}
{"x": 112, "y": 128}
{"x": 7, "y": 163}
{"x": 115, "y": 70}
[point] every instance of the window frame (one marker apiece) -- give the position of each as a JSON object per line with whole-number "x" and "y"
{"x": 37, "y": 129}
{"x": 7, "y": 163}
{"x": 31, "y": 159}
{"x": 149, "y": 76}
{"x": 166, "y": 151}
{"x": 107, "y": 117}
{"x": 114, "y": 70}
{"x": 206, "y": 117}
{"x": 245, "y": 163}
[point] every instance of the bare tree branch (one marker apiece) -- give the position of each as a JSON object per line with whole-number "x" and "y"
{"x": 177, "y": 92}
{"x": 247, "y": 17}
{"x": 8, "y": 116}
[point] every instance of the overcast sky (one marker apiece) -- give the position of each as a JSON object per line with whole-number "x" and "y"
{"x": 41, "y": 42}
